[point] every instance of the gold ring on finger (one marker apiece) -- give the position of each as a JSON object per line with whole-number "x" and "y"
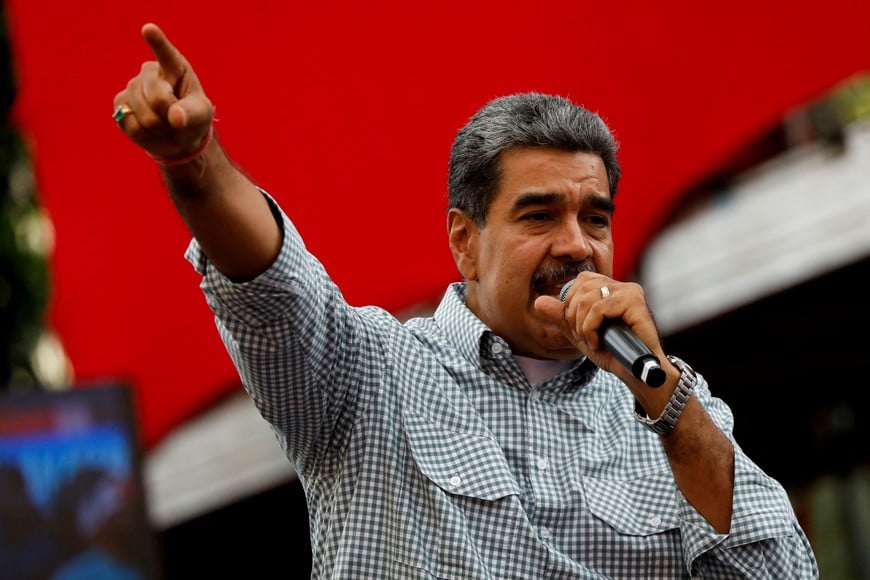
{"x": 120, "y": 112}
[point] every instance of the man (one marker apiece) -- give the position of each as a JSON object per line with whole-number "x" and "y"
{"x": 498, "y": 438}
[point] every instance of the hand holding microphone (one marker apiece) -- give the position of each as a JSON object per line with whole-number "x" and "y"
{"x": 626, "y": 347}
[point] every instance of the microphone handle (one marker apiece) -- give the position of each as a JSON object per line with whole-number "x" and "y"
{"x": 632, "y": 353}
{"x": 628, "y": 349}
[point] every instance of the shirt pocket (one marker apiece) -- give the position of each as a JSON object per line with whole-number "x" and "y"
{"x": 461, "y": 503}
{"x": 641, "y": 506}
{"x": 461, "y": 463}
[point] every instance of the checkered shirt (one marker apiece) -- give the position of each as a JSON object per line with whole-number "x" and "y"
{"x": 425, "y": 453}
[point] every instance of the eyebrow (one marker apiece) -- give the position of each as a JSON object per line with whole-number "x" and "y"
{"x": 600, "y": 202}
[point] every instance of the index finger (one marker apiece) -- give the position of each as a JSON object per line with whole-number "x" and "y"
{"x": 170, "y": 58}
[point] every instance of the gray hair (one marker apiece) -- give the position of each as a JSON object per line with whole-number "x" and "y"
{"x": 522, "y": 120}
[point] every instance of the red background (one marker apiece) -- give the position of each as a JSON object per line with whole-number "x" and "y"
{"x": 345, "y": 111}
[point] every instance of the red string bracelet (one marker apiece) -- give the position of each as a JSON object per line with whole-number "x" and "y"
{"x": 188, "y": 158}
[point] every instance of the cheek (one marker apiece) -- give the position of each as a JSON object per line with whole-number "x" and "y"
{"x": 511, "y": 262}
{"x": 516, "y": 267}
{"x": 602, "y": 256}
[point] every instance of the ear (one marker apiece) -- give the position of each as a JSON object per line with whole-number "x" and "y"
{"x": 463, "y": 235}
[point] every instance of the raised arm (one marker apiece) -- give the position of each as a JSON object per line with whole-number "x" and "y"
{"x": 165, "y": 111}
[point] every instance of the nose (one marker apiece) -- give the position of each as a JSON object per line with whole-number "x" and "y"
{"x": 571, "y": 242}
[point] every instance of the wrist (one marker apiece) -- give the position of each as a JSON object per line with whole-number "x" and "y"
{"x": 196, "y": 154}
{"x": 673, "y": 409}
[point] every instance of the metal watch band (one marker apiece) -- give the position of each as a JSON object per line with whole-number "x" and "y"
{"x": 672, "y": 411}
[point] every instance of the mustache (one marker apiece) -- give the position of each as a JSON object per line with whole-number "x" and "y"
{"x": 553, "y": 276}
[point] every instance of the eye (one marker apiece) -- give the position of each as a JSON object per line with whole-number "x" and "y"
{"x": 601, "y": 221}
{"x": 537, "y": 216}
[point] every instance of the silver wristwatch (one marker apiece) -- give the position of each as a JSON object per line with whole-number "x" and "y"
{"x": 672, "y": 411}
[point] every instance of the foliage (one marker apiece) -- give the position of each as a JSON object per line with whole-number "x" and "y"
{"x": 24, "y": 277}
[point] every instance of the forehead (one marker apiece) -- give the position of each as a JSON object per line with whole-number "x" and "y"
{"x": 555, "y": 170}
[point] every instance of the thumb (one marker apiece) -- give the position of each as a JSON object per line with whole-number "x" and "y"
{"x": 192, "y": 111}
{"x": 551, "y": 307}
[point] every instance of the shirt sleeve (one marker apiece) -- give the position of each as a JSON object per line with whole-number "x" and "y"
{"x": 766, "y": 539}
{"x": 294, "y": 341}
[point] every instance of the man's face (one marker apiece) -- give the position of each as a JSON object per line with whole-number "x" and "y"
{"x": 550, "y": 219}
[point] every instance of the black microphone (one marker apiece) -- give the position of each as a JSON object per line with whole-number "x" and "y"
{"x": 627, "y": 348}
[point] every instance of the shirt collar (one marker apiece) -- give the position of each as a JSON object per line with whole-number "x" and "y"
{"x": 465, "y": 330}
{"x": 472, "y": 338}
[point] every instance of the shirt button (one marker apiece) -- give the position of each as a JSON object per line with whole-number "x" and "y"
{"x": 496, "y": 348}
{"x": 655, "y": 521}
{"x": 543, "y": 464}
{"x": 535, "y": 395}
{"x": 545, "y": 533}
{"x": 455, "y": 481}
